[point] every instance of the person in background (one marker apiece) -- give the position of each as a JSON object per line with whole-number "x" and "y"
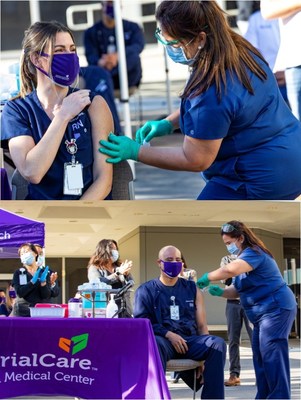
{"x": 4, "y": 307}
{"x": 233, "y": 132}
{"x": 265, "y": 36}
{"x": 269, "y": 304}
{"x": 8, "y": 299}
{"x": 177, "y": 313}
{"x": 236, "y": 316}
{"x": 55, "y": 290}
{"x": 31, "y": 283}
{"x": 53, "y": 129}
{"x": 105, "y": 266}
{"x": 289, "y": 57}
{"x": 187, "y": 272}
{"x": 11, "y": 296}
{"x": 101, "y": 46}
{"x": 245, "y": 8}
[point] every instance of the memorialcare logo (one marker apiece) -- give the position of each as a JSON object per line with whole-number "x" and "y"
{"x": 75, "y": 344}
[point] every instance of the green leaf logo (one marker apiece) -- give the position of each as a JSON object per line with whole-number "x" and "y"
{"x": 75, "y": 344}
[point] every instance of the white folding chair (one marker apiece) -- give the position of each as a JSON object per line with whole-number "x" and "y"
{"x": 184, "y": 364}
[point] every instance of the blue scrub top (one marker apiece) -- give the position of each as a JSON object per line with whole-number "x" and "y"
{"x": 261, "y": 147}
{"x": 27, "y": 117}
{"x": 153, "y": 300}
{"x": 263, "y": 289}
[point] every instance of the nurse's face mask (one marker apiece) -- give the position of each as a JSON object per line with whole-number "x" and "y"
{"x": 171, "y": 268}
{"x": 41, "y": 260}
{"x": 27, "y": 258}
{"x": 64, "y": 68}
{"x": 114, "y": 255}
{"x": 232, "y": 248}
{"x": 177, "y": 54}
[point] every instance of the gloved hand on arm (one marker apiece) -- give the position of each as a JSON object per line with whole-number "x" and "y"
{"x": 215, "y": 290}
{"x": 119, "y": 148}
{"x": 203, "y": 281}
{"x": 153, "y": 129}
{"x": 44, "y": 275}
{"x": 36, "y": 276}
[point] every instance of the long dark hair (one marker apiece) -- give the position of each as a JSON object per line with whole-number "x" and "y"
{"x": 224, "y": 50}
{"x": 36, "y": 38}
{"x": 101, "y": 257}
{"x": 250, "y": 239}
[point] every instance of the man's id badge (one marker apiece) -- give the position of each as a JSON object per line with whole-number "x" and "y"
{"x": 174, "y": 313}
{"x": 73, "y": 179}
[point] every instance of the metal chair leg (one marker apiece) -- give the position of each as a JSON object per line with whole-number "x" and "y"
{"x": 194, "y": 382}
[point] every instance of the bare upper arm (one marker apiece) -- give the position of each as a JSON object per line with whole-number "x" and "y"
{"x": 201, "y": 318}
{"x": 273, "y": 9}
{"x": 19, "y": 147}
{"x": 238, "y": 267}
{"x": 102, "y": 125}
{"x": 201, "y": 153}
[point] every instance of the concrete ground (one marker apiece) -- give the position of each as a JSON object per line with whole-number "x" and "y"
{"x": 246, "y": 390}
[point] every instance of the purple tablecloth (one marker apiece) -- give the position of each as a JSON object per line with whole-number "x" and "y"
{"x": 5, "y": 187}
{"x": 80, "y": 357}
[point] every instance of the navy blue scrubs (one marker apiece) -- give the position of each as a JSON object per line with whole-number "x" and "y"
{"x": 271, "y": 306}
{"x": 27, "y": 117}
{"x": 260, "y": 154}
{"x": 153, "y": 301}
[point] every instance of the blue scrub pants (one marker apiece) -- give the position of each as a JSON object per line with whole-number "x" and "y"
{"x": 236, "y": 316}
{"x": 271, "y": 354}
{"x": 210, "y": 348}
{"x": 216, "y": 191}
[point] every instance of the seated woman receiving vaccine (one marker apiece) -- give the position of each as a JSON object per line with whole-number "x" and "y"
{"x": 54, "y": 129}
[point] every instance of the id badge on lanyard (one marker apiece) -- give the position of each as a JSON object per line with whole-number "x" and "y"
{"x": 73, "y": 172}
{"x": 22, "y": 277}
{"x": 174, "y": 310}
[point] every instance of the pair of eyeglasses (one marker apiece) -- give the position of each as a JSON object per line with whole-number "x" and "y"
{"x": 227, "y": 228}
{"x": 160, "y": 38}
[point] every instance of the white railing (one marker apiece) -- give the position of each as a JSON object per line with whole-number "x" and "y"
{"x": 81, "y": 8}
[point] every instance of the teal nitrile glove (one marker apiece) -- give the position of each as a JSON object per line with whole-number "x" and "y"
{"x": 119, "y": 148}
{"x": 36, "y": 276}
{"x": 215, "y": 290}
{"x": 43, "y": 277}
{"x": 153, "y": 129}
{"x": 203, "y": 281}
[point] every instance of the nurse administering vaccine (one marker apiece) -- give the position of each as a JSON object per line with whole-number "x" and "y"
{"x": 238, "y": 130}
{"x": 268, "y": 302}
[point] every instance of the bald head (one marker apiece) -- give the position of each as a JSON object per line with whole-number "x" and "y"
{"x": 170, "y": 253}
